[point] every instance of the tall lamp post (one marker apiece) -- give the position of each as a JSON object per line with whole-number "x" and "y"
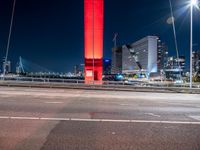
{"x": 192, "y": 4}
{"x": 9, "y": 37}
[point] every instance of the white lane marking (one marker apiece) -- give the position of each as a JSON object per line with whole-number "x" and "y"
{"x": 100, "y": 120}
{"x": 6, "y": 96}
{"x": 55, "y": 119}
{"x": 4, "y": 117}
{"x": 195, "y": 117}
{"x": 53, "y": 102}
{"x": 24, "y": 118}
{"x": 152, "y": 114}
{"x": 124, "y": 105}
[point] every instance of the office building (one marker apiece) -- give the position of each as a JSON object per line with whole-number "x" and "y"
{"x": 116, "y": 60}
{"x": 7, "y": 66}
{"x": 146, "y": 56}
{"x": 107, "y": 63}
{"x": 141, "y": 56}
{"x": 175, "y": 67}
{"x": 196, "y": 61}
{"x": 162, "y": 56}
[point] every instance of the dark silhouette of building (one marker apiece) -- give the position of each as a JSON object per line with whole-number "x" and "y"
{"x": 162, "y": 55}
{"x": 107, "y": 65}
{"x": 116, "y": 60}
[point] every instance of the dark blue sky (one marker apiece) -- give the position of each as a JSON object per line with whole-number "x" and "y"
{"x": 50, "y": 32}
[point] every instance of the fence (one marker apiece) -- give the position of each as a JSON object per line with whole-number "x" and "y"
{"x": 103, "y": 83}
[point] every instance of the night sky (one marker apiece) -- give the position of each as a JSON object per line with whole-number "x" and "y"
{"x": 50, "y": 32}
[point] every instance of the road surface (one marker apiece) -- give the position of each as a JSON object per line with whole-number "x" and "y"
{"x": 58, "y": 119}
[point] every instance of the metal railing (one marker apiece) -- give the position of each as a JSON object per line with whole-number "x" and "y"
{"x": 102, "y": 83}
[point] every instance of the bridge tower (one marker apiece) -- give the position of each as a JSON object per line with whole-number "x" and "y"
{"x": 93, "y": 39}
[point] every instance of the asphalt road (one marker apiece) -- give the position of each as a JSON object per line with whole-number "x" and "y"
{"x": 56, "y": 119}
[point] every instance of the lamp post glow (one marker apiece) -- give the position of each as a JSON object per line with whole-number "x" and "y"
{"x": 192, "y": 4}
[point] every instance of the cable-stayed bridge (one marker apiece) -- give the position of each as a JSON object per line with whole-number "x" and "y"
{"x": 26, "y": 66}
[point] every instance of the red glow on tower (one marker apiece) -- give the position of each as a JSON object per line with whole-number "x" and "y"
{"x": 93, "y": 39}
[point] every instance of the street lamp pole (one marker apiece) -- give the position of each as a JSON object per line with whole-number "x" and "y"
{"x": 191, "y": 41}
{"x": 9, "y": 37}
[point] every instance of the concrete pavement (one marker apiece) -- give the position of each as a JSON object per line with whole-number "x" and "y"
{"x": 57, "y": 119}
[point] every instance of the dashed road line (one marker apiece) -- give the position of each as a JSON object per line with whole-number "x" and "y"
{"x": 53, "y": 102}
{"x": 124, "y": 104}
{"x": 152, "y": 114}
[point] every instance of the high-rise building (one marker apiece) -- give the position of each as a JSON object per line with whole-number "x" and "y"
{"x": 196, "y": 61}
{"x": 175, "y": 67}
{"x": 147, "y": 56}
{"x": 175, "y": 63}
{"x": 93, "y": 39}
{"x": 107, "y": 63}
{"x": 76, "y": 70}
{"x": 116, "y": 60}
{"x": 6, "y": 66}
{"x": 162, "y": 55}
{"x": 141, "y": 56}
{"x": 1, "y": 66}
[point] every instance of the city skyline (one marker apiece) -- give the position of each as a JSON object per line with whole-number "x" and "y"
{"x": 51, "y": 34}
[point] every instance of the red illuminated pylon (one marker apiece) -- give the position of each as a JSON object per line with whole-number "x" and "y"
{"x": 93, "y": 39}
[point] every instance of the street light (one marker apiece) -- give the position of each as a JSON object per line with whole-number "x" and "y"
{"x": 192, "y": 4}
{"x": 9, "y": 37}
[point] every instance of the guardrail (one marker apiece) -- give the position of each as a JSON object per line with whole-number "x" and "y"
{"x": 113, "y": 83}
{"x": 104, "y": 85}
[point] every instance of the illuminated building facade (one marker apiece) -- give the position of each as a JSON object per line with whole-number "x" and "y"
{"x": 141, "y": 56}
{"x": 175, "y": 68}
{"x": 93, "y": 39}
{"x": 196, "y": 61}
